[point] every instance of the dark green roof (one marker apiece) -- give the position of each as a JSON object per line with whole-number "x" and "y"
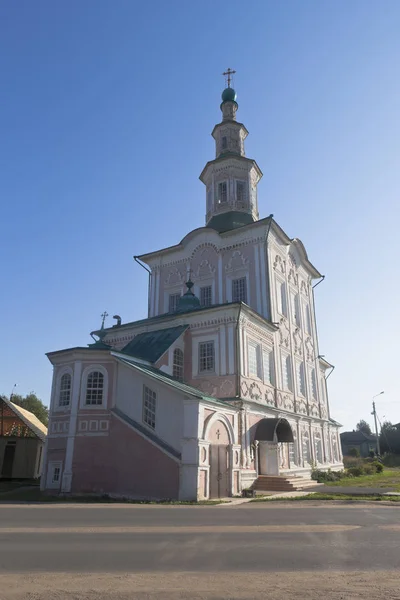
{"x": 230, "y": 220}
{"x": 151, "y": 345}
{"x": 229, "y": 95}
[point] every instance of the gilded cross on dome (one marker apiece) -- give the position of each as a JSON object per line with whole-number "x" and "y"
{"x": 228, "y": 74}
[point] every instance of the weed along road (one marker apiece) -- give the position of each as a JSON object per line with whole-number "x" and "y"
{"x": 255, "y": 550}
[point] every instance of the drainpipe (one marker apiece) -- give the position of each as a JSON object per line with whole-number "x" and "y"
{"x": 271, "y": 216}
{"x": 136, "y": 259}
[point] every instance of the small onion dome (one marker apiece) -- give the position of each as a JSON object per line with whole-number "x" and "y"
{"x": 229, "y": 95}
{"x": 188, "y": 301}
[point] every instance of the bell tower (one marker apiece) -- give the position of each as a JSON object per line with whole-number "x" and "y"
{"x": 231, "y": 179}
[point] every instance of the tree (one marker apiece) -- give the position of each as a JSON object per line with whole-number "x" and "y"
{"x": 389, "y": 438}
{"x": 32, "y": 403}
{"x": 364, "y": 427}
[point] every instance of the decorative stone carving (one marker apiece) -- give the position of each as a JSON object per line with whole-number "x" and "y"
{"x": 302, "y": 407}
{"x": 292, "y": 261}
{"x": 237, "y": 262}
{"x": 279, "y": 264}
{"x": 205, "y": 269}
{"x": 314, "y": 412}
{"x": 309, "y": 349}
{"x": 284, "y": 333}
{"x": 297, "y": 339}
{"x": 293, "y": 277}
{"x": 287, "y": 402}
{"x": 175, "y": 277}
{"x": 269, "y": 397}
{"x": 303, "y": 287}
{"x": 227, "y": 388}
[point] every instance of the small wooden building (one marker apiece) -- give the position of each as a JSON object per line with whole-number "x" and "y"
{"x": 22, "y": 439}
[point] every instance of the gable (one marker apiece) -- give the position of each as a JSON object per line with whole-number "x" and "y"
{"x": 151, "y": 345}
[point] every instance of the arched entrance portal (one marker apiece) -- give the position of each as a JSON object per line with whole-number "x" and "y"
{"x": 218, "y": 436}
{"x": 269, "y": 432}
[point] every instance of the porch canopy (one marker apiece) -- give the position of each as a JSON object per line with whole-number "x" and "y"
{"x": 273, "y": 430}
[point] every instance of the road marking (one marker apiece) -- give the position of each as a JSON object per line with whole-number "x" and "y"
{"x": 186, "y": 530}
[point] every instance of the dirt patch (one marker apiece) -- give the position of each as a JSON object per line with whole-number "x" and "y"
{"x": 335, "y": 585}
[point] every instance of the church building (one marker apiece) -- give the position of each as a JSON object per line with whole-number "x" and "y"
{"x": 222, "y": 387}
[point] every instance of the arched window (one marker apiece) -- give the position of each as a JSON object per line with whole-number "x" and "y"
{"x": 65, "y": 390}
{"x": 318, "y": 447}
{"x": 177, "y": 367}
{"x": 306, "y": 450}
{"x": 94, "y": 388}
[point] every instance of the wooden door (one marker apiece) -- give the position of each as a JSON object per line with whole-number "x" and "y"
{"x": 219, "y": 471}
{"x": 8, "y": 461}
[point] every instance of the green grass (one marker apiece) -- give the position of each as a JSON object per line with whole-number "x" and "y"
{"x": 389, "y": 478}
{"x": 35, "y": 495}
{"x": 319, "y": 496}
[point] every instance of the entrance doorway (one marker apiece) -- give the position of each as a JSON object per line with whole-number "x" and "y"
{"x": 219, "y": 471}
{"x": 269, "y": 432}
{"x": 8, "y": 460}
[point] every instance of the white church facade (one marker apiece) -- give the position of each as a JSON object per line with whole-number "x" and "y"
{"x": 222, "y": 386}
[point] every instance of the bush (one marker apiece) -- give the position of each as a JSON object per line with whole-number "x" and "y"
{"x": 323, "y": 476}
{"x": 377, "y": 466}
{"x": 355, "y": 471}
{"x": 354, "y": 452}
{"x": 352, "y": 461}
{"x": 369, "y": 469}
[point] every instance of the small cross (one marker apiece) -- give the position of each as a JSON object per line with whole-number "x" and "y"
{"x": 104, "y": 315}
{"x": 228, "y": 74}
{"x": 218, "y": 433}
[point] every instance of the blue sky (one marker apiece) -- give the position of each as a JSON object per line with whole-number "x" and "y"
{"x": 105, "y": 120}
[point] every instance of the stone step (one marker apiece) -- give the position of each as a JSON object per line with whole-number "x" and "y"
{"x": 277, "y": 483}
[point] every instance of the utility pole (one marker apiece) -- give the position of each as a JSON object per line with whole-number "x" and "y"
{"x": 378, "y": 447}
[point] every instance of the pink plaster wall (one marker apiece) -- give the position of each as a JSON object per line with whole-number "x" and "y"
{"x": 218, "y": 434}
{"x": 218, "y": 386}
{"x": 163, "y": 361}
{"x": 123, "y": 463}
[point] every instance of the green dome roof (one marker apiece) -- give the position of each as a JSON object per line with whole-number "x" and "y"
{"x": 188, "y": 301}
{"x": 229, "y": 95}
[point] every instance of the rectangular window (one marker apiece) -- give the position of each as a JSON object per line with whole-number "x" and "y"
{"x": 173, "y": 302}
{"x": 56, "y": 475}
{"x": 206, "y": 357}
{"x": 301, "y": 384}
{"x": 149, "y": 407}
{"x": 224, "y": 142}
{"x": 307, "y": 318}
{"x": 206, "y": 295}
{"x": 296, "y": 309}
{"x": 313, "y": 385}
{"x": 240, "y": 191}
{"x": 254, "y": 360}
{"x": 222, "y": 192}
{"x": 282, "y": 299}
{"x": 287, "y": 373}
{"x": 268, "y": 366}
{"x": 239, "y": 290}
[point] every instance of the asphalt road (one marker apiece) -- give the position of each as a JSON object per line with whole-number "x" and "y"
{"x": 48, "y": 549}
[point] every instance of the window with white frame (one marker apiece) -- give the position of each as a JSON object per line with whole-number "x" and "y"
{"x": 268, "y": 366}
{"x": 318, "y": 447}
{"x": 282, "y": 298}
{"x": 306, "y": 449}
{"x": 287, "y": 373}
{"x": 149, "y": 407}
{"x": 239, "y": 290}
{"x": 254, "y": 360}
{"x": 307, "y": 318}
{"x": 313, "y": 385}
{"x": 173, "y": 302}
{"x": 177, "y": 366}
{"x": 240, "y": 191}
{"x": 296, "y": 309}
{"x": 94, "y": 388}
{"x": 206, "y": 357}
{"x": 292, "y": 453}
{"x": 301, "y": 380}
{"x": 65, "y": 390}
{"x": 206, "y": 295}
{"x": 222, "y": 192}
